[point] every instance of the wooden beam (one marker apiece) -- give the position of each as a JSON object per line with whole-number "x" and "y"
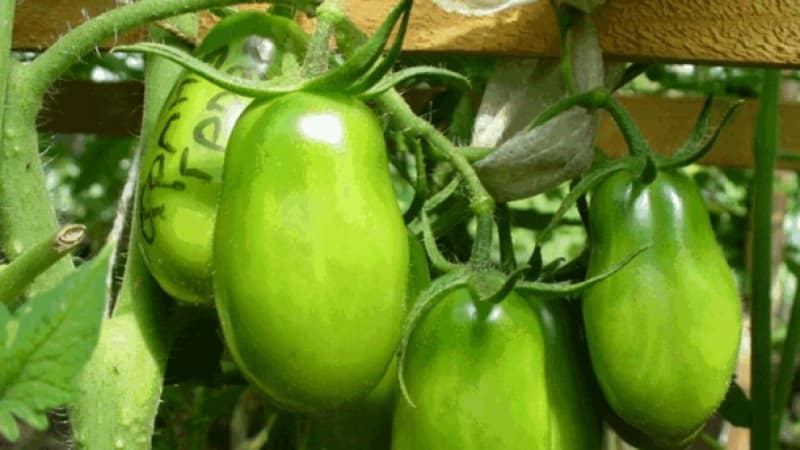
{"x": 666, "y": 123}
{"x": 115, "y": 108}
{"x": 725, "y": 32}
{"x": 101, "y": 108}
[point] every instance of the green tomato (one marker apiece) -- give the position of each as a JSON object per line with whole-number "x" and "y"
{"x": 495, "y": 376}
{"x": 310, "y": 251}
{"x": 366, "y": 425}
{"x": 663, "y": 333}
{"x": 182, "y": 166}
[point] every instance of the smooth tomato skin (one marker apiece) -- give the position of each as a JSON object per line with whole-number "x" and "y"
{"x": 575, "y": 422}
{"x": 182, "y": 167}
{"x": 469, "y": 368}
{"x": 310, "y": 251}
{"x": 366, "y": 425}
{"x": 663, "y": 333}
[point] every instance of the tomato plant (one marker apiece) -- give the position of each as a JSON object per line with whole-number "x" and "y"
{"x": 285, "y": 184}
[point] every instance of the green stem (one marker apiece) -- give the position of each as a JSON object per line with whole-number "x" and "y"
{"x": 21, "y": 272}
{"x": 6, "y": 28}
{"x": 482, "y": 203}
{"x": 438, "y": 261}
{"x": 507, "y": 260}
{"x": 600, "y": 98}
{"x": 765, "y": 149}
{"x": 711, "y": 442}
{"x": 316, "y": 61}
{"x": 637, "y": 145}
{"x": 783, "y": 385}
{"x": 564, "y": 22}
{"x": 120, "y": 387}
{"x": 476, "y": 153}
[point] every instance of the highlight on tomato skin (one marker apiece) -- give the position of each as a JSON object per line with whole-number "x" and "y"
{"x": 310, "y": 251}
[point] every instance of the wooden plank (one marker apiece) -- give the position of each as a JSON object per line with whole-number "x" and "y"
{"x": 726, "y": 32}
{"x": 115, "y": 108}
{"x": 39, "y": 23}
{"x": 666, "y": 123}
{"x": 102, "y": 108}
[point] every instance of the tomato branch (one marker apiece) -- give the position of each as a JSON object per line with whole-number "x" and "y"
{"x": 316, "y": 61}
{"x": 17, "y": 275}
{"x": 6, "y": 28}
{"x": 482, "y": 203}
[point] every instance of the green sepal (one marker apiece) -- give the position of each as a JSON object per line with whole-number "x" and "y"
{"x": 558, "y": 290}
{"x": 428, "y": 298}
{"x": 695, "y": 147}
{"x": 453, "y": 79}
{"x": 365, "y": 56}
{"x": 589, "y": 181}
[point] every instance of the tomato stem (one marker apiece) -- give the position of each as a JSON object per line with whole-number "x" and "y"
{"x": 564, "y": 20}
{"x": 20, "y": 273}
{"x": 438, "y": 260}
{"x": 134, "y": 342}
{"x": 503, "y": 217}
{"x": 791, "y": 345}
{"x": 765, "y": 149}
{"x": 316, "y": 60}
{"x": 6, "y": 27}
{"x": 482, "y": 203}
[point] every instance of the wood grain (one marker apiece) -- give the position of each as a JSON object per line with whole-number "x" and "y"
{"x": 115, "y": 108}
{"x": 727, "y": 32}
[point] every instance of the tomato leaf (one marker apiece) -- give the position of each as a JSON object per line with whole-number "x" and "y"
{"x": 737, "y": 408}
{"x": 45, "y": 343}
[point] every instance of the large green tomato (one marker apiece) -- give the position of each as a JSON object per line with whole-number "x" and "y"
{"x": 487, "y": 376}
{"x": 310, "y": 251}
{"x": 366, "y": 425}
{"x": 663, "y": 333}
{"x": 182, "y": 166}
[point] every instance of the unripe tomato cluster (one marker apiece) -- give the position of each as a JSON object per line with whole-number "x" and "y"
{"x": 280, "y": 212}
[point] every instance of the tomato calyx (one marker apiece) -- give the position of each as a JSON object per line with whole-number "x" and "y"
{"x": 363, "y": 74}
{"x": 491, "y": 286}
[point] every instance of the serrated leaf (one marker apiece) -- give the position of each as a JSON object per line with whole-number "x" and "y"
{"x": 46, "y": 343}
